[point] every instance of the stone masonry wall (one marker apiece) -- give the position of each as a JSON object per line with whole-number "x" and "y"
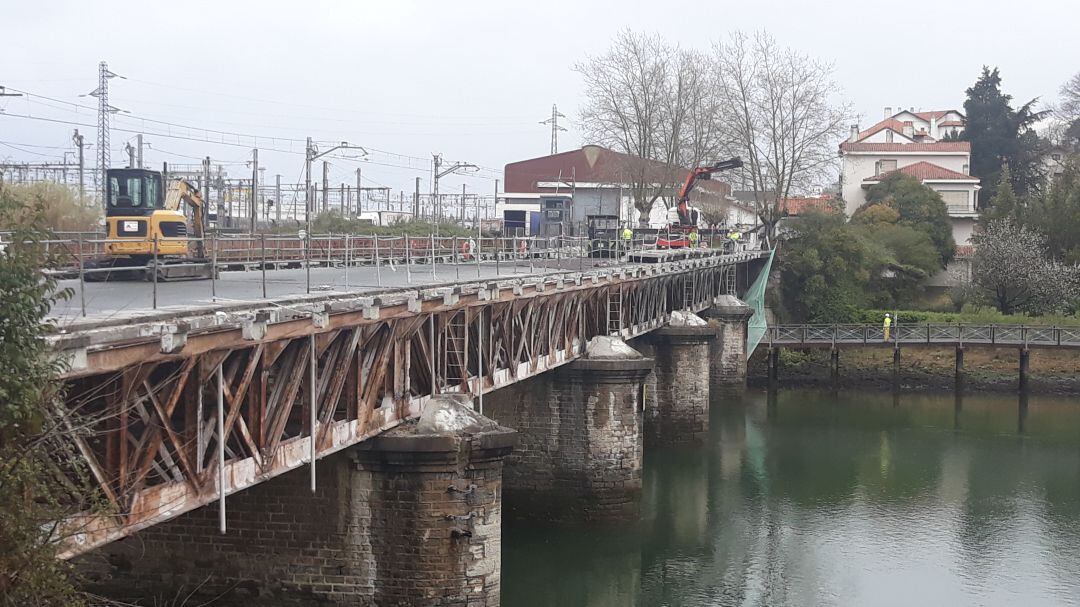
{"x": 580, "y": 453}
{"x": 381, "y": 532}
{"x": 647, "y": 347}
{"x": 727, "y": 355}
{"x": 680, "y": 411}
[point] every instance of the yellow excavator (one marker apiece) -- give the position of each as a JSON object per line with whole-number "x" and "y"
{"x": 147, "y": 230}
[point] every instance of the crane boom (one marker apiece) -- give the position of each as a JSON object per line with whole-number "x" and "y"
{"x": 692, "y": 178}
{"x": 181, "y": 191}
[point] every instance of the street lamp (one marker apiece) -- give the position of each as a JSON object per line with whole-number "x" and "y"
{"x": 312, "y": 153}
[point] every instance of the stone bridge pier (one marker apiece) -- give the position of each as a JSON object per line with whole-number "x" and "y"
{"x": 580, "y": 451}
{"x": 411, "y": 517}
{"x": 584, "y": 427}
{"x": 727, "y": 352}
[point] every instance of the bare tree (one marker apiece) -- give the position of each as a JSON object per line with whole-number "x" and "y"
{"x": 650, "y": 99}
{"x": 1070, "y": 99}
{"x": 778, "y": 110}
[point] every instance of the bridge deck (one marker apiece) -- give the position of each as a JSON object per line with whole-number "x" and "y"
{"x": 852, "y": 335}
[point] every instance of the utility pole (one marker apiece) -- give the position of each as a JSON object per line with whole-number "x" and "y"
{"x": 78, "y": 140}
{"x": 495, "y": 204}
{"x": 104, "y": 110}
{"x": 359, "y": 195}
{"x": 555, "y": 128}
{"x": 254, "y": 189}
{"x": 325, "y": 185}
{"x": 131, "y": 155}
{"x": 416, "y": 201}
{"x": 463, "y": 204}
{"x": 139, "y": 157}
{"x": 206, "y": 191}
{"x": 309, "y": 150}
{"x": 277, "y": 198}
{"x": 439, "y": 174}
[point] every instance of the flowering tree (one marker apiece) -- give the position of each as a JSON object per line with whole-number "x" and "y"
{"x": 1012, "y": 269}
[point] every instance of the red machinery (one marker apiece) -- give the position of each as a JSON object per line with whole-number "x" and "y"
{"x": 679, "y": 233}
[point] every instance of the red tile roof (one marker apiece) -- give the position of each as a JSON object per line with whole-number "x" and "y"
{"x": 927, "y": 116}
{"x": 799, "y": 205}
{"x": 941, "y": 146}
{"x": 925, "y": 171}
{"x": 951, "y": 123}
{"x": 888, "y": 123}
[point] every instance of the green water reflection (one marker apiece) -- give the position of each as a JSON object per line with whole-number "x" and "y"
{"x": 819, "y": 499}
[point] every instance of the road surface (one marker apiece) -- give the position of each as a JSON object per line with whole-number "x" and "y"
{"x": 105, "y": 299}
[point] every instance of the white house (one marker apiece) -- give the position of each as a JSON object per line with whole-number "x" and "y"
{"x": 908, "y": 142}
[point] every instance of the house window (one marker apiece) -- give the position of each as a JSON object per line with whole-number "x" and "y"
{"x": 966, "y": 170}
{"x": 1056, "y": 157}
{"x": 957, "y": 201}
{"x": 884, "y": 166}
{"x": 888, "y": 137}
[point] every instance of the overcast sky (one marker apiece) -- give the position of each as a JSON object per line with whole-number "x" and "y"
{"x": 468, "y": 79}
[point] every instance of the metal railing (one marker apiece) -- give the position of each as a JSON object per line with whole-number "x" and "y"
{"x": 930, "y": 333}
{"x": 416, "y": 255}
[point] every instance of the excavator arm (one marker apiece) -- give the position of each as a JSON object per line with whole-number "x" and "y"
{"x": 181, "y": 192}
{"x": 692, "y": 178}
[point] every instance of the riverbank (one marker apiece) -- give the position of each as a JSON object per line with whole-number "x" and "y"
{"x": 986, "y": 369}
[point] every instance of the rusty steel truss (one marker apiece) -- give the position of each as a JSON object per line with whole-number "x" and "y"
{"x": 156, "y": 399}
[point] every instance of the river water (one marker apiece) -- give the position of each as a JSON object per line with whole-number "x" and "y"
{"x": 813, "y": 498}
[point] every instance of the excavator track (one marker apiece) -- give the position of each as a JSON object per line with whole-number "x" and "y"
{"x": 127, "y": 270}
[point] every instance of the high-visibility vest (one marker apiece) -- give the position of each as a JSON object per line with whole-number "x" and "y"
{"x": 693, "y": 237}
{"x": 627, "y": 234}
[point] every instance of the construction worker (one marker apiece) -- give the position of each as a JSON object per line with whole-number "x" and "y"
{"x": 693, "y": 238}
{"x": 627, "y": 238}
{"x": 733, "y": 238}
{"x": 886, "y": 325}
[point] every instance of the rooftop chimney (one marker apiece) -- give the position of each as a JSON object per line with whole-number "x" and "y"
{"x": 854, "y": 133}
{"x": 909, "y": 129}
{"x": 888, "y": 112}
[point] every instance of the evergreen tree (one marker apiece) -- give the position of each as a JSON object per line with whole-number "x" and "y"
{"x": 1004, "y": 203}
{"x": 1001, "y": 135}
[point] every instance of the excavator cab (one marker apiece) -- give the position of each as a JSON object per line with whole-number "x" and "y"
{"x": 133, "y": 192}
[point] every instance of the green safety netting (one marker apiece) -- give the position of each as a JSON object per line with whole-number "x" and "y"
{"x": 755, "y": 298}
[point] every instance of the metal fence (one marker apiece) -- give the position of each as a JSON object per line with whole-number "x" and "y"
{"x": 419, "y": 258}
{"x": 930, "y": 333}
